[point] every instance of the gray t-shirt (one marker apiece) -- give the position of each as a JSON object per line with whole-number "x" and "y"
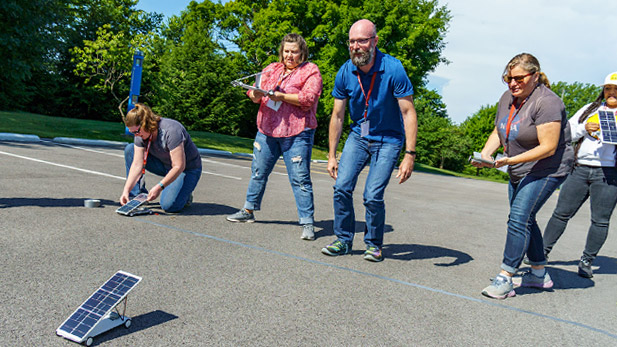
{"x": 171, "y": 135}
{"x": 542, "y": 106}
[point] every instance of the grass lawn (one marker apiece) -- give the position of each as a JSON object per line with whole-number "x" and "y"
{"x": 50, "y": 127}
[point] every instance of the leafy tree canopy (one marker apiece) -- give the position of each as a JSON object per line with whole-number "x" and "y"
{"x": 411, "y": 30}
{"x": 575, "y": 95}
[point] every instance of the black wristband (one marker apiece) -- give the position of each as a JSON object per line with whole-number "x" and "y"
{"x": 411, "y": 152}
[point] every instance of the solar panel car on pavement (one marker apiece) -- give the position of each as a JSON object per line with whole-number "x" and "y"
{"x": 95, "y": 315}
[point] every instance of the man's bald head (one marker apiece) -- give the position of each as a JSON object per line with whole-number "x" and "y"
{"x": 363, "y": 27}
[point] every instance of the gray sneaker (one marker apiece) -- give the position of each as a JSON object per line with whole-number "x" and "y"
{"x": 500, "y": 288}
{"x": 241, "y": 216}
{"x": 530, "y": 280}
{"x": 308, "y": 232}
{"x": 584, "y": 268}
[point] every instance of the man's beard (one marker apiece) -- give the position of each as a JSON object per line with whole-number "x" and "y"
{"x": 363, "y": 59}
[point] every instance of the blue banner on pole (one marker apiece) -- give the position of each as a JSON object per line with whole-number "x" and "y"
{"x": 138, "y": 59}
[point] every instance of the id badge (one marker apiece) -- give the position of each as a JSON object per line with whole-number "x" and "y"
{"x": 275, "y": 105}
{"x": 364, "y": 126}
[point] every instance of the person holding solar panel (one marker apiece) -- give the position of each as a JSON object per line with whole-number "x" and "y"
{"x": 594, "y": 177}
{"x": 163, "y": 147}
{"x": 532, "y": 127}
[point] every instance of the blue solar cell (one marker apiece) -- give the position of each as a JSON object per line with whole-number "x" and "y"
{"x": 112, "y": 292}
{"x": 608, "y": 126}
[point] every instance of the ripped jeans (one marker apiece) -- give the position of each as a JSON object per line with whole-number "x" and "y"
{"x": 296, "y": 151}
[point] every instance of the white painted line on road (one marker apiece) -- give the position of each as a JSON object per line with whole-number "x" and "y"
{"x": 221, "y": 175}
{"x": 122, "y": 156}
{"x": 86, "y": 149}
{"x": 223, "y": 164}
{"x": 236, "y": 166}
{"x": 62, "y": 165}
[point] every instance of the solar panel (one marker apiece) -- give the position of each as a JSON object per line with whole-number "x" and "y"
{"x": 133, "y": 204}
{"x": 80, "y": 325}
{"x": 608, "y": 126}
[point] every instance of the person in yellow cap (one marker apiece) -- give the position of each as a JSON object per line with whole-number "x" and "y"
{"x": 594, "y": 177}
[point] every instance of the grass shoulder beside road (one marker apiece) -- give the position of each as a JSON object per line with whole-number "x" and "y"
{"x": 51, "y": 127}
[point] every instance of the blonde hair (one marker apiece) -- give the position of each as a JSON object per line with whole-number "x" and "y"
{"x": 143, "y": 116}
{"x": 528, "y": 63}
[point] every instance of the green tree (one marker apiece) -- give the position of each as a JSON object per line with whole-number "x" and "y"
{"x": 575, "y": 95}
{"x": 106, "y": 63}
{"x": 58, "y": 90}
{"x": 194, "y": 83}
{"x": 479, "y": 126}
{"x": 27, "y": 34}
{"x": 477, "y": 129}
{"x": 411, "y": 30}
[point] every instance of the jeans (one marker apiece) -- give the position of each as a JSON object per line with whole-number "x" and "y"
{"x": 176, "y": 194}
{"x": 296, "y": 151}
{"x": 357, "y": 153}
{"x": 599, "y": 184}
{"x": 524, "y": 236}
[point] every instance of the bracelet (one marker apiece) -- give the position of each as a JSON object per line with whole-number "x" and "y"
{"x": 162, "y": 185}
{"x": 411, "y": 152}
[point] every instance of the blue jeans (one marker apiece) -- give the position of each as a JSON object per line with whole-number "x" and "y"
{"x": 296, "y": 151}
{"x": 524, "y": 236}
{"x": 176, "y": 194}
{"x": 357, "y": 153}
{"x": 599, "y": 184}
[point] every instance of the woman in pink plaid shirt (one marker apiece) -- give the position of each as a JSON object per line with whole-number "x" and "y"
{"x": 286, "y": 123}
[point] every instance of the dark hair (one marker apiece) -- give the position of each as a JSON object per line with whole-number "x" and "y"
{"x": 592, "y": 107}
{"x": 143, "y": 116}
{"x": 528, "y": 63}
{"x": 294, "y": 38}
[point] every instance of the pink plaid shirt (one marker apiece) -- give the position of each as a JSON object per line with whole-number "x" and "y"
{"x": 290, "y": 120}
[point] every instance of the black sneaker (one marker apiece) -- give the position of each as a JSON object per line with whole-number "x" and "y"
{"x": 189, "y": 202}
{"x": 526, "y": 260}
{"x": 584, "y": 268}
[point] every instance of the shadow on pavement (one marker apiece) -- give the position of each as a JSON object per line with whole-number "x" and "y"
{"x": 49, "y": 202}
{"x": 569, "y": 279}
{"x": 139, "y": 323}
{"x": 204, "y": 209}
{"x": 415, "y": 252}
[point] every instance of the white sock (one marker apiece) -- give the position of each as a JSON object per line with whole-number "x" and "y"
{"x": 538, "y": 272}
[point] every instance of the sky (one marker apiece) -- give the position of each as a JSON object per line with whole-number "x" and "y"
{"x": 573, "y": 40}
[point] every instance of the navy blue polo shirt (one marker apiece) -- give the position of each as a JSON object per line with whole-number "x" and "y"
{"x": 384, "y": 113}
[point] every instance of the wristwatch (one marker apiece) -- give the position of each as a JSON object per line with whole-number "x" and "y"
{"x": 411, "y": 152}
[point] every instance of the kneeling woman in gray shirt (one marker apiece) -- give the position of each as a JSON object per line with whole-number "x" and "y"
{"x": 163, "y": 147}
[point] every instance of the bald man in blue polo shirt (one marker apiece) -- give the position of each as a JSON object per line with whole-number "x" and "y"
{"x": 383, "y": 116}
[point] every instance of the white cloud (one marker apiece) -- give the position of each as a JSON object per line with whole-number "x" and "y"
{"x": 573, "y": 40}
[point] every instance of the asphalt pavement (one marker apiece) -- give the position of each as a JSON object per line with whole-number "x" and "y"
{"x": 209, "y": 282}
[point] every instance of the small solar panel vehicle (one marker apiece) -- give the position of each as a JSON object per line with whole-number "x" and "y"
{"x": 133, "y": 207}
{"x": 99, "y": 313}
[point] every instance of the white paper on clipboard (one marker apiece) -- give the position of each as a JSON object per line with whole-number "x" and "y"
{"x": 478, "y": 157}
